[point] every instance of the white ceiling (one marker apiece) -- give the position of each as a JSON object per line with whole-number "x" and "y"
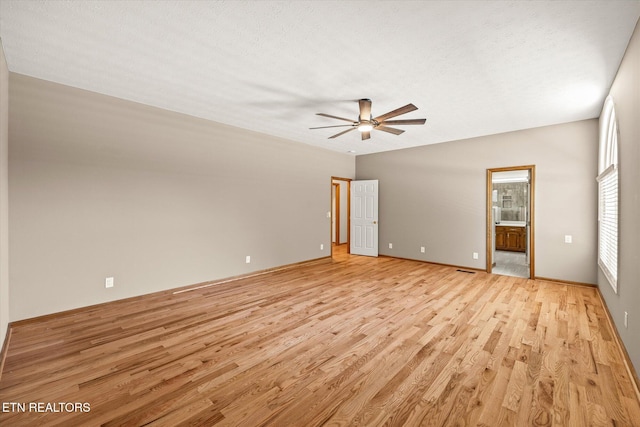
{"x": 471, "y": 67}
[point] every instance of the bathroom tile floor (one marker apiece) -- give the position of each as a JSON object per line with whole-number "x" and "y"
{"x": 510, "y": 263}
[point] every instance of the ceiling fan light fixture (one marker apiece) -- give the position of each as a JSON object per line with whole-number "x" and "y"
{"x": 365, "y": 127}
{"x": 366, "y": 122}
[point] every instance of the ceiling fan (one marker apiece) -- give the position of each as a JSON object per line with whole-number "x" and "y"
{"x": 366, "y": 123}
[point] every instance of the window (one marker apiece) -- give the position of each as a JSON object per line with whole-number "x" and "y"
{"x": 608, "y": 194}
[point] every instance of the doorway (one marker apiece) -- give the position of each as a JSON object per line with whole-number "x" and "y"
{"x": 340, "y": 215}
{"x": 510, "y": 226}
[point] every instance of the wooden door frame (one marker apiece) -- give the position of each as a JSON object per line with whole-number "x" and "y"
{"x": 348, "y": 181}
{"x": 336, "y": 212}
{"x": 531, "y": 211}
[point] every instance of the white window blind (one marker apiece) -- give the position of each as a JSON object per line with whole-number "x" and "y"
{"x": 608, "y": 224}
{"x": 608, "y": 194}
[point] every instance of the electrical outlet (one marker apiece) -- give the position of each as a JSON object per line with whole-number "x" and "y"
{"x": 626, "y": 319}
{"x": 247, "y": 259}
{"x": 321, "y": 247}
{"x": 422, "y": 249}
{"x": 475, "y": 255}
{"x": 568, "y": 238}
{"x": 108, "y": 282}
{"x": 390, "y": 245}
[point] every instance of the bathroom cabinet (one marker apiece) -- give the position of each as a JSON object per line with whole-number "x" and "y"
{"x": 511, "y": 238}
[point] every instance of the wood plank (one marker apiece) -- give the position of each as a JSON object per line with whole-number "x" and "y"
{"x": 349, "y": 341}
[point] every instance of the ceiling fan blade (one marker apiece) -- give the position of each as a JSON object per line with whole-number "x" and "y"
{"x": 365, "y": 109}
{"x": 334, "y": 117}
{"x": 336, "y": 126}
{"x": 388, "y": 129}
{"x": 341, "y": 133}
{"x": 366, "y": 135}
{"x": 402, "y": 110}
{"x": 405, "y": 122}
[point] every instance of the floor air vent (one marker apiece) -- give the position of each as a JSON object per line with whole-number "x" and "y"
{"x": 466, "y": 271}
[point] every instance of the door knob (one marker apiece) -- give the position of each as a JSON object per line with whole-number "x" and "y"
{"x": 375, "y": 222}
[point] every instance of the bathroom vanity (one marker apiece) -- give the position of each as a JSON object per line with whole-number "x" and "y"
{"x": 511, "y": 236}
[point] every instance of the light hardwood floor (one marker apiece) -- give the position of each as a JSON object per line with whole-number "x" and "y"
{"x": 352, "y": 341}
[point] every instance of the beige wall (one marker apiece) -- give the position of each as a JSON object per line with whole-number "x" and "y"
{"x": 105, "y": 187}
{"x": 626, "y": 95}
{"x": 435, "y": 196}
{"x": 4, "y": 196}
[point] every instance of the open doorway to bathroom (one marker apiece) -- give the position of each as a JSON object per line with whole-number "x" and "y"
{"x": 510, "y": 221}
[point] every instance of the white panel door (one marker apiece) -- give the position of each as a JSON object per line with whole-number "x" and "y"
{"x": 364, "y": 217}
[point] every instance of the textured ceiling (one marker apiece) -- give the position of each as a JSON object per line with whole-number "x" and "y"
{"x": 471, "y": 67}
